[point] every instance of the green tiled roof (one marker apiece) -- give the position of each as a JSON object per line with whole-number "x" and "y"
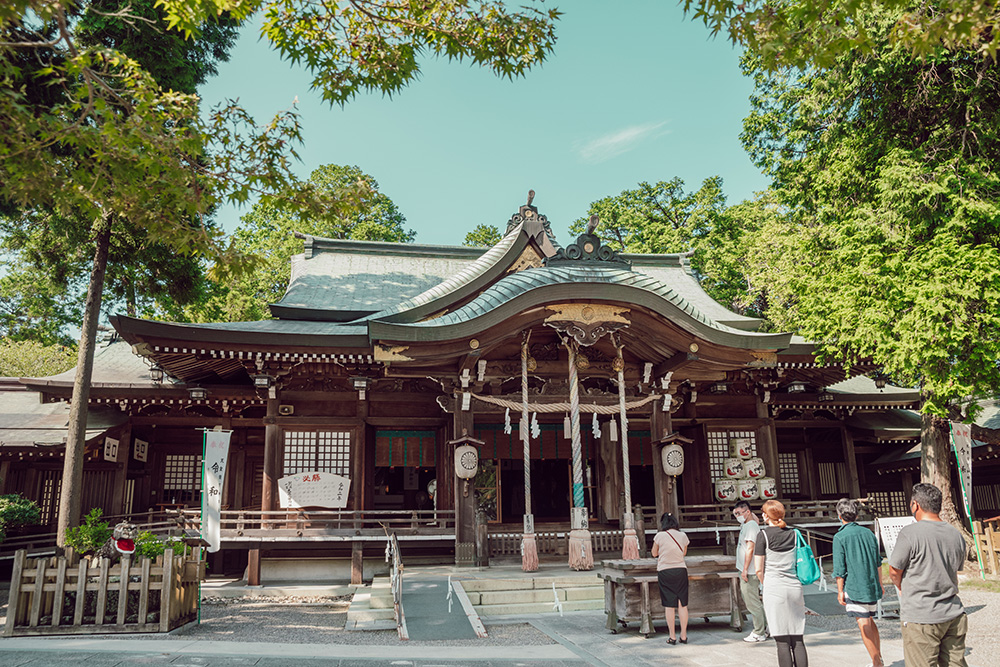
{"x": 613, "y": 283}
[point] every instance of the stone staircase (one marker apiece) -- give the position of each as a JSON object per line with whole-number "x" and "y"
{"x": 371, "y": 608}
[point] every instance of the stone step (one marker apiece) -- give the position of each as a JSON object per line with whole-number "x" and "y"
{"x": 534, "y": 595}
{"x": 527, "y": 584}
{"x": 538, "y": 607}
{"x": 362, "y": 610}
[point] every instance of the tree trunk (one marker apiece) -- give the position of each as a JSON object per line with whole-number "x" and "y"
{"x": 72, "y": 479}
{"x": 935, "y": 465}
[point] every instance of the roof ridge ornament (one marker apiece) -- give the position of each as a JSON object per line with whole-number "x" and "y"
{"x": 535, "y": 225}
{"x": 588, "y": 248}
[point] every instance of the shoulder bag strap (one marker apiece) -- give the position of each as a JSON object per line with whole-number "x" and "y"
{"x": 675, "y": 541}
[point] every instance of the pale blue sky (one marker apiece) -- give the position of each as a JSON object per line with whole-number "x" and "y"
{"x": 634, "y": 91}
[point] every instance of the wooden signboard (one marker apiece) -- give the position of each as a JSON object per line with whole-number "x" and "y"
{"x": 314, "y": 489}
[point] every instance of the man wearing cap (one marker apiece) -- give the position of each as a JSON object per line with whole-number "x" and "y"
{"x": 856, "y": 563}
{"x": 749, "y": 583}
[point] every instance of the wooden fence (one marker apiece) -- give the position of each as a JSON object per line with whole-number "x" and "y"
{"x": 554, "y": 542}
{"x": 70, "y": 595}
{"x": 987, "y": 536}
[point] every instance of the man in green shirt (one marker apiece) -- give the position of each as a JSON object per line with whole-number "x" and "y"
{"x": 856, "y": 568}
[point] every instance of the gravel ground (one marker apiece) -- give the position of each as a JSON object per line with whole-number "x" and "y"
{"x": 307, "y": 620}
{"x": 983, "y": 607}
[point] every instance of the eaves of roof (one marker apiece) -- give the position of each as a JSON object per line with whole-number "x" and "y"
{"x": 266, "y": 332}
{"x": 537, "y": 286}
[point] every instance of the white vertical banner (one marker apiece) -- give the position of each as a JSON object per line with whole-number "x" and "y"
{"x": 961, "y": 438}
{"x": 213, "y": 476}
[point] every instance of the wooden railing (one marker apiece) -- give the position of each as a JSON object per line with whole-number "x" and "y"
{"x": 239, "y": 525}
{"x": 162, "y": 523}
{"x": 987, "y": 536}
{"x": 691, "y": 516}
{"x": 554, "y": 542}
{"x": 69, "y": 595}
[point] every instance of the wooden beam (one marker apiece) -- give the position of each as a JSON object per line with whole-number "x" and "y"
{"x": 674, "y": 363}
{"x": 852, "y": 462}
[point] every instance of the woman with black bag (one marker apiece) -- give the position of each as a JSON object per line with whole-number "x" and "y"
{"x": 669, "y": 548}
{"x": 784, "y": 604}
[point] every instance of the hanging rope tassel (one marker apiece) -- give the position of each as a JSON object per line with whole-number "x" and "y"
{"x": 581, "y": 553}
{"x": 630, "y": 542}
{"x": 529, "y": 549}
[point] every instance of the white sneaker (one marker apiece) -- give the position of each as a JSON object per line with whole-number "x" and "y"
{"x": 753, "y": 638}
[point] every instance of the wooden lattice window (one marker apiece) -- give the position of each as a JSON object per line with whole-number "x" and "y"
{"x": 832, "y": 478}
{"x": 718, "y": 449}
{"x": 317, "y": 451}
{"x": 788, "y": 469}
{"x": 182, "y": 473}
{"x": 49, "y": 507}
{"x": 888, "y": 503}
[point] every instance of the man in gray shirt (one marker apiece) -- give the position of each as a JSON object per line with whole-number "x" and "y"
{"x": 924, "y": 567}
{"x": 749, "y": 583}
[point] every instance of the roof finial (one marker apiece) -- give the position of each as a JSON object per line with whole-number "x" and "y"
{"x": 531, "y": 195}
{"x": 592, "y": 225}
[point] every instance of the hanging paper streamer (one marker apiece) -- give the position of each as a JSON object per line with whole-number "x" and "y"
{"x": 567, "y": 428}
{"x": 667, "y": 400}
{"x": 536, "y": 430}
{"x": 614, "y": 430}
{"x": 506, "y": 422}
{"x": 718, "y": 538}
{"x": 595, "y": 426}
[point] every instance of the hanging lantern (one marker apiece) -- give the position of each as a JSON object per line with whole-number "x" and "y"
{"x": 466, "y": 461}
{"x": 672, "y": 457}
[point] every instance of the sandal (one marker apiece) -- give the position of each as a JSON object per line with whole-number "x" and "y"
{"x": 684, "y": 641}
{"x": 671, "y": 641}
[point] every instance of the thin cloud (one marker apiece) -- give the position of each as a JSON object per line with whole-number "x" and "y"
{"x": 618, "y": 142}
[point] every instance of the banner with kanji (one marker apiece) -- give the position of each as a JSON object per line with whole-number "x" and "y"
{"x": 213, "y": 477}
{"x": 313, "y": 489}
{"x": 961, "y": 438}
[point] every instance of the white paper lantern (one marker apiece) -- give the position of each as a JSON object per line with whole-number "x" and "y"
{"x": 672, "y": 457}
{"x": 466, "y": 461}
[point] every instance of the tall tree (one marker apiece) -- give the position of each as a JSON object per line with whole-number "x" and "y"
{"x": 267, "y": 232}
{"x": 87, "y": 133}
{"x": 887, "y": 169}
{"x": 483, "y": 236}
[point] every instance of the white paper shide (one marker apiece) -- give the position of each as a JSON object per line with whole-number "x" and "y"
{"x": 314, "y": 489}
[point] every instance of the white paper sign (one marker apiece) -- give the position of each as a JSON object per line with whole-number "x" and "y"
{"x": 141, "y": 450}
{"x": 314, "y": 489}
{"x": 888, "y": 528}
{"x": 213, "y": 477}
{"x": 961, "y": 437}
{"x": 110, "y": 449}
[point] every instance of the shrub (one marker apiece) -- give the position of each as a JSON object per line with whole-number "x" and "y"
{"x": 91, "y": 535}
{"x": 148, "y": 545}
{"x": 16, "y": 510}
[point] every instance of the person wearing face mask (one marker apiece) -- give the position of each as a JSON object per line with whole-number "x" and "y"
{"x": 924, "y": 566}
{"x": 749, "y": 583}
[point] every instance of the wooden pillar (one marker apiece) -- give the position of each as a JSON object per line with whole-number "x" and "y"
{"x": 464, "y": 495}
{"x": 4, "y": 472}
{"x": 359, "y": 456}
{"x": 664, "y": 488}
{"x": 238, "y": 466}
{"x": 610, "y": 489}
{"x": 269, "y": 493}
{"x": 767, "y": 444}
{"x": 445, "y": 468}
{"x": 357, "y": 563}
{"x": 121, "y": 471}
{"x": 852, "y": 463}
{"x": 368, "y": 472}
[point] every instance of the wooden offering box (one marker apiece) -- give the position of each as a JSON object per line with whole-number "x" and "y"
{"x": 631, "y": 592}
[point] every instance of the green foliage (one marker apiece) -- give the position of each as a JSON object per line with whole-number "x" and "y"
{"x": 16, "y": 511}
{"x": 34, "y": 307}
{"x": 373, "y": 45}
{"x": 148, "y": 545}
{"x": 483, "y": 236}
{"x": 32, "y": 359}
{"x": 267, "y": 233}
{"x": 887, "y": 243}
{"x": 804, "y": 33}
{"x": 91, "y": 535}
